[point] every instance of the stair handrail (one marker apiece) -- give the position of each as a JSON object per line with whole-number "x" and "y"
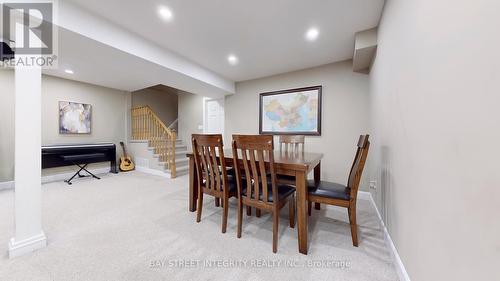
{"x": 173, "y": 124}
{"x": 146, "y": 125}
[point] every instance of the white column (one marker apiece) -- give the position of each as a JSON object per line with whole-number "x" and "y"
{"x": 29, "y": 235}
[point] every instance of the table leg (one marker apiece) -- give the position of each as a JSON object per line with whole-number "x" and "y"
{"x": 317, "y": 174}
{"x": 300, "y": 184}
{"x": 192, "y": 186}
{"x": 317, "y": 179}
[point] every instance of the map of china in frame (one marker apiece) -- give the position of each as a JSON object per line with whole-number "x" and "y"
{"x": 293, "y": 112}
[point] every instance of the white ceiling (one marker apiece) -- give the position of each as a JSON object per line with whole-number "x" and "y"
{"x": 266, "y": 35}
{"x": 100, "y": 64}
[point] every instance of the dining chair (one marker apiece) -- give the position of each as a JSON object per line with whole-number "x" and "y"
{"x": 213, "y": 178}
{"x": 343, "y": 195}
{"x": 260, "y": 189}
{"x": 294, "y": 144}
{"x": 291, "y": 143}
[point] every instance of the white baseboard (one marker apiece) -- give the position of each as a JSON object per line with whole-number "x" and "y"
{"x": 19, "y": 248}
{"x": 398, "y": 263}
{"x": 6, "y": 185}
{"x": 155, "y": 172}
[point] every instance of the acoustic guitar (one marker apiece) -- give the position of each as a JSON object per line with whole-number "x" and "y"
{"x": 126, "y": 163}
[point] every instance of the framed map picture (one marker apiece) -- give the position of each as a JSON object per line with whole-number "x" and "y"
{"x": 74, "y": 118}
{"x": 292, "y": 112}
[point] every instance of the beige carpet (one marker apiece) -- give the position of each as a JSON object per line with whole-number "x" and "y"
{"x": 136, "y": 226}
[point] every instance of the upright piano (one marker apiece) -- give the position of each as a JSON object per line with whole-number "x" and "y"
{"x": 79, "y": 154}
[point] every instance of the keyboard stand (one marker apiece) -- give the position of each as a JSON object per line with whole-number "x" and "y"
{"x": 82, "y": 168}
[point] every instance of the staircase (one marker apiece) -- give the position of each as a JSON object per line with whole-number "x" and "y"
{"x": 155, "y": 147}
{"x": 147, "y": 160}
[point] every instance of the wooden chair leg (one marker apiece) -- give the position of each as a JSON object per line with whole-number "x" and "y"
{"x": 354, "y": 228}
{"x": 240, "y": 218}
{"x": 291, "y": 210}
{"x": 257, "y": 213}
{"x": 249, "y": 211}
{"x": 217, "y": 203}
{"x": 200, "y": 205}
{"x": 276, "y": 216}
{"x": 225, "y": 213}
{"x": 309, "y": 207}
{"x": 317, "y": 206}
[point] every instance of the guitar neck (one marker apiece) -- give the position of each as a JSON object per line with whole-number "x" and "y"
{"x": 124, "y": 150}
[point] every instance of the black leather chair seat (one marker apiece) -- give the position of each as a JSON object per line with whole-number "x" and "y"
{"x": 244, "y": 175}
{"x": 231, "y": 182}
{"x": 329, "y": 190}
{"x": 283, "y": 192}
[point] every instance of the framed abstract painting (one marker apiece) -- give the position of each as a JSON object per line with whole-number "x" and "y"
{"x": 74, "y": 118}
{"x": 292, "y": 112}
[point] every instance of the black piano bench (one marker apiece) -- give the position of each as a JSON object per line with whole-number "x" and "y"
{"x": 82, "y": 161}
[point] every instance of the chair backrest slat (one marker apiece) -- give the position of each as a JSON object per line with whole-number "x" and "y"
{"x": 204, "y": 169}
{"x": 248, "y": 176}
{"x": 215, "y": 169}
{"x": 255, "y": 174}
{"x": 292, "y": 141}
{"x": 212, "y": 174}
{"x": 253, "y": 150}
{"x": 358, "y": 165}
{"x": 262, "y": 167}
{"x": 209, "y": 166}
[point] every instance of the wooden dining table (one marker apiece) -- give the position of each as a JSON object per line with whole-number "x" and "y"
{"x": 291, "y": 164}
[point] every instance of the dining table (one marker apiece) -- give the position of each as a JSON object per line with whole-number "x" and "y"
{"x": 294, "y": 164}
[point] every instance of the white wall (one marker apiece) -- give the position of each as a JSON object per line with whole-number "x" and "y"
{"x": 345, "y": 112}
{"x": 163, "y": 102}
{"x": 109, "y": 112}
{"x": 190, "y": 116}
{"x": 435, "y": 95}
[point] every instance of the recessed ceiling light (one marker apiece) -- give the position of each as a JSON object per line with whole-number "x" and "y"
{"x": 312, "y": 34}
{"x": 165, "y": 13}
{"x": 232, "y": 59}
{"x": 69, "y": 71}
